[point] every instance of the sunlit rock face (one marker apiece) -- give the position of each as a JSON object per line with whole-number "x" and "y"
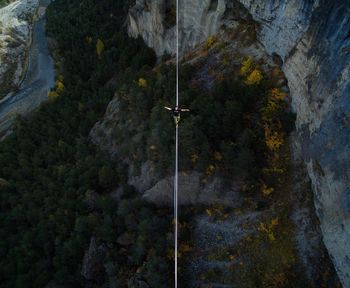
{"x": 155, "y": 22}
{"x": 312, "y": 37}
{"x": 283, "y": 23}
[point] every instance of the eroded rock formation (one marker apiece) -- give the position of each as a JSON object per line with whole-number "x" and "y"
{"x": 155, "y": 22}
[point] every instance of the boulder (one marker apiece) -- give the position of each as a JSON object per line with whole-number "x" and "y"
{"x": 195, "y": 189}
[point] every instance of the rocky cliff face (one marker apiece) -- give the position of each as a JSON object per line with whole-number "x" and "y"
{"x": 312, "y": 37}
{"x": 316, "y": 63}
{"x": 155, "y": 22}
{"x": 15, "y": 25}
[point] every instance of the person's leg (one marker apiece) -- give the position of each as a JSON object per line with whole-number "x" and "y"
{"x": 177, "y": 120}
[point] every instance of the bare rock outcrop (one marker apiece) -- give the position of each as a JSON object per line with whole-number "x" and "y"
{"x": 195, "y": 191}
{"x": 92, "y": 267}
{"x": 15, "y": 29}
{"x": 155, "y": 22}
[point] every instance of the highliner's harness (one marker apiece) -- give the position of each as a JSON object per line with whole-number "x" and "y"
{"x": 177, "y": 113}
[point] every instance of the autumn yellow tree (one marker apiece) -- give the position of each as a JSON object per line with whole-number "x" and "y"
{"x": 254, "y": 78}
{"x": 269, "y": 228}
{"x": 52, "y": 95}
{"x": 274, "y": 135}
{"x": 210, "y": 170}
{"x": 275, "y": 102}
{"x": 100, "y": 46}
{"x": 142, "y": 82}
{"x": 277, "y": 94}
{"x": 273, "y": 139}
{"x": 247, "y": 66}
{"x": 266, "y": 191}
{"x": 194, "y": 158}
{"x": 59, "y": 88}
{"x": 210, "y": 42}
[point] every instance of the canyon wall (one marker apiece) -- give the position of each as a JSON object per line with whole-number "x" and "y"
{"x": 312, "y": 37}
{"x": 313, "y": 40}
{"x": 155, "y": 22}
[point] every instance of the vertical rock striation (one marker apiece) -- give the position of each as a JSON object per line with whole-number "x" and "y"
{"x": 155, "y": 22}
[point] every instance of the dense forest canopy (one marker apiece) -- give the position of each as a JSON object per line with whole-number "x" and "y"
{"x": 55, "y": 184}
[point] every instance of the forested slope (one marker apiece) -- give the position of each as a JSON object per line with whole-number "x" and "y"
{"x": 54, "y": 184}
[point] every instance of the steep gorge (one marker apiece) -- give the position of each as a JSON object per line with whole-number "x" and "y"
{"x": 312, "y": 40}
{"x": 248, "y": 218}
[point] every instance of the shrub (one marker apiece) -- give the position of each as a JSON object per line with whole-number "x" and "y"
{"x": 142, "y": 83}
{"x": 254, "y": 78}
{"x": 247, "y": 66}
{"x": 210, "y": 42}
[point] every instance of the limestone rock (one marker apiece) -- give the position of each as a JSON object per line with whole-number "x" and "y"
{"x": 198, "y": 19}
{"x": 102, "y": 132}
{"x": 195, "y": 191}
{"x": 146, "y": 179}
{"x": 92, "y": 267}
